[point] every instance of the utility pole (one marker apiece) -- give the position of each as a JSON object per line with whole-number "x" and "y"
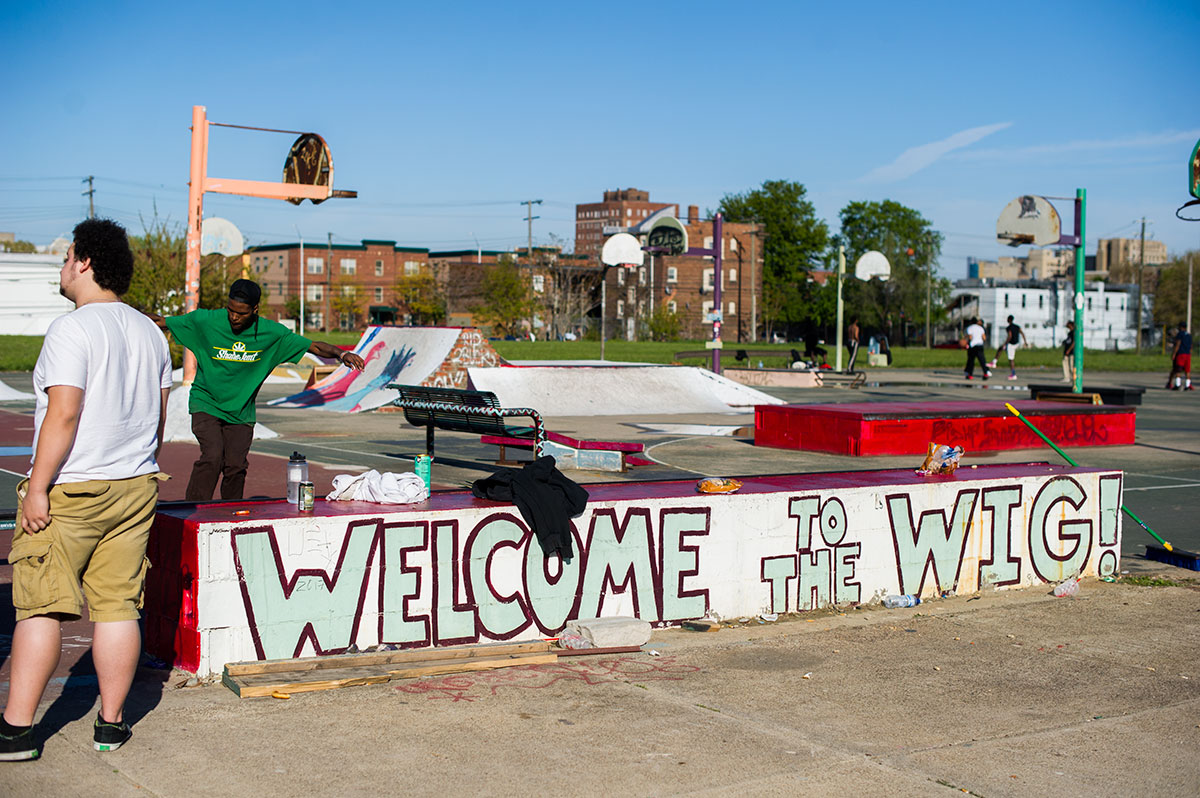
{"x": 928, "y": 298}
{"x": 303, "y": 267}
{"x": 90, "y": 194}
{"x": 529, "y": 217}
{"x": 1191, "y": 262}
{"x": 329, "y": 282}
{"x": 1141, "y": 274}
{"x": 753, "y": 283}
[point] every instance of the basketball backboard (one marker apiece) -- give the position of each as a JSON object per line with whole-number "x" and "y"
{"x": 220, "y": 235}
{"x": 668, "y": 234}
{"x": 1029, "y": 220}
{"x": 1194, "y": 172}
{"x": 622, "y": 249}
{"x": 872, "y": 264}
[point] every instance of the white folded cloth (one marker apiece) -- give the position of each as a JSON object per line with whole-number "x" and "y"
{"x": 371, "y": 486}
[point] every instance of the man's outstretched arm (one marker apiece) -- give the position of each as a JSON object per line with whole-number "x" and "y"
{"x": 342, "y": 356}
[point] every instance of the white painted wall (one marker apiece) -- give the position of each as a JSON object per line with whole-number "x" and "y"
{"x": 417, "y": 576}
{"x": 1043, "y": 314}
{"x": 29, "y": 298}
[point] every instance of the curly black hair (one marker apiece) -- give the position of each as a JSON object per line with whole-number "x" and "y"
{"x": 106, "y": 244}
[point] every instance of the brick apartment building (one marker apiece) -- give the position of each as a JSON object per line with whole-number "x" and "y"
{"x": 685, "y": 284}
{"x": 368, "y": 272}
{"x": 620, "y": 208}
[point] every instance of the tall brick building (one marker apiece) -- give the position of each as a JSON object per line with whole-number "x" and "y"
{"x": 367, "y": 272}
{"x": 685, "y": 285}
{"x": 620, "y": 208}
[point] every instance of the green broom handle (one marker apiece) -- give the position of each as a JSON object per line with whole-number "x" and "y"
{"x": 1029, "y": 424}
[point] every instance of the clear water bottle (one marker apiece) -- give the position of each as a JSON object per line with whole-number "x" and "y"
{"x": 297, "y": 472}
{"x": 1067, "y": 588}
{"x": 894, "y": 602}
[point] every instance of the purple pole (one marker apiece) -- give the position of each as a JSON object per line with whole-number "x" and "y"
{"x": 718, "y": 246}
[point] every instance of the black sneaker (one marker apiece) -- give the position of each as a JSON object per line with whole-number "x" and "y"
{"x": 18, "y": 747}
{"x": 110, "y": 736}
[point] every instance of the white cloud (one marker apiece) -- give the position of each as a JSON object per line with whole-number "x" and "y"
{"x": 1140, "y": 142}
{"x": 915, "y": 159}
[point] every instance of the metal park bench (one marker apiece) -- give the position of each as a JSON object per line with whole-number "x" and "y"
{"x": 456, "y": 410}
{"x": 740, "y": 354}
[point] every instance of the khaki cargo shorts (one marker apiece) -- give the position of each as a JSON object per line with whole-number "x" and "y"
{"x": 94, "y": 547}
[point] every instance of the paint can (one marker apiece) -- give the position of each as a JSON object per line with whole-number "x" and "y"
{"x": 424, "y": 470}
{"x": 306, "y": 497}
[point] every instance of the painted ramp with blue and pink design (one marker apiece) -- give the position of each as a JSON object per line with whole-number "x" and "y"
{"x": 428, "y": 356}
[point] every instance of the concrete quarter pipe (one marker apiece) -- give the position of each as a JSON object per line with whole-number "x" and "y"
{"x": 428, "y": 356}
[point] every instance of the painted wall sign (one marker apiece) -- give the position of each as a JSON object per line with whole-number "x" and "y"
{"x": 461, "y": 570}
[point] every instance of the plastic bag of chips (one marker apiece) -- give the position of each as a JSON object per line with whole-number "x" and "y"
{"x": 940, "y": 459}
{"x": 718, "y": 485}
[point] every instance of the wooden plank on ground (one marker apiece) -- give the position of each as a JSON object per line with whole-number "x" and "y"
{"x": 383, "y": 658}
{"x": 264, "y": 684}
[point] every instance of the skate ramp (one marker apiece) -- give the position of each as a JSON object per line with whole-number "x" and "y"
{"x": 617, "y": 390}
{"x": 436, "y": 357}
{"x": 179, "y": 420}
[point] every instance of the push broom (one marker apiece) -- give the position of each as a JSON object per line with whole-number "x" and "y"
{"x": 1149, "y": 549}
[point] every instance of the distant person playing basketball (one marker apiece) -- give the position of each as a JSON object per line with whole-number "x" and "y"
{"x": 1181, "y": 361}
{"x": 1015, "y": 338}
{"x": 976, "y": 341}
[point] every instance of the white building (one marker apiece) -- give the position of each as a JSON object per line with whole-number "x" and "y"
{"x": 1043, "y": 309}
{"x": 29, "y": 298}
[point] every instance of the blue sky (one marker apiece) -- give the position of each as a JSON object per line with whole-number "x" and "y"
{"x": 444, "y": 117}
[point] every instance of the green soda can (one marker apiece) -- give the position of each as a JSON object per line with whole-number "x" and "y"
{"x": 307, "y": 495}
{"x": 424, "y": 469}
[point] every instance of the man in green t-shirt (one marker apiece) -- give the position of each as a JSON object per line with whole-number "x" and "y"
{"x": 235, "y": 352}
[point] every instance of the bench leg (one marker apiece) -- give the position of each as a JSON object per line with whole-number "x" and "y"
{"x": 429, "y": 440}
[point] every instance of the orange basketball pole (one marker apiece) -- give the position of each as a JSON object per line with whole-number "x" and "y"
{"x": 199, "y": 183}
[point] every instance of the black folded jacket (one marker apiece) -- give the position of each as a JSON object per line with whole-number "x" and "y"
{"x": 546, "y": 499}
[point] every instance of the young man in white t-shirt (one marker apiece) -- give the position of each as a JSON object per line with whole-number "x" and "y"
{"x": 976, "y": 340}
{"x": 101, "y": 383}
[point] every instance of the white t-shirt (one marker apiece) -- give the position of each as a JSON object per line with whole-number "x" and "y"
{"x": 121, "y": 361}
{"x": 975, "y": 335}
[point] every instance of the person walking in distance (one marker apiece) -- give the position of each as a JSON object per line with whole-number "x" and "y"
{"x": 852, "y": 342}
{"x": 1068, "y": 361}
{"x": 85, "y": 509}
{"x": 1181, "y": 360}
{"x": 976, "y": 341}
{"x": 235, "y": 352}
{"x": 1014, "y": 338}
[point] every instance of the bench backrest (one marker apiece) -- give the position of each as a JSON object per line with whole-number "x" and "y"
{"x": 448, "y": 419}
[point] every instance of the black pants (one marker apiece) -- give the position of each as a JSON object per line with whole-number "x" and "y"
{"x": 973, "y": 354}
{"x": 853, "y": 347}
{"x": 224, "y": 449}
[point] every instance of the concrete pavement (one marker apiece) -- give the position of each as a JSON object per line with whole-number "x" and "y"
{"x": 1004, "y": 693}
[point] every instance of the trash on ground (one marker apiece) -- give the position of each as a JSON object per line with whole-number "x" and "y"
{"x": 610, "y": 632}
{"x": 894, "y": 602}
{"x": 1068, "y": 587}
{"x": 807, "y": 675}
{"x": 280, "y": 694}
{"x": 940, "y": 459}
{"x": 701, "y": 625}
{"x": 769, "y": 617}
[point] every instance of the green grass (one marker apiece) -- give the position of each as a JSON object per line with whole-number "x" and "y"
{"x": 910, "y": 357}
{"x": 20, "y": 352}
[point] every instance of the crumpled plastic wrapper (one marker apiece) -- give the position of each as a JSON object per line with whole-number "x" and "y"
{"x": 718, "y": 485}
{"x": 940, "y": 459}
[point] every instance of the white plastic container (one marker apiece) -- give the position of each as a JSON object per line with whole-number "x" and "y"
{"x": 297, "y": 472}
{"x": 610, "y": 632}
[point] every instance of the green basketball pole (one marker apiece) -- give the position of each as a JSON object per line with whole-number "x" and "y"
{"x": 1066, "y": 457}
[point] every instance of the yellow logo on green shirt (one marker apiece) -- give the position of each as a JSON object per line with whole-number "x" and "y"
{"x": 238, "y": 354}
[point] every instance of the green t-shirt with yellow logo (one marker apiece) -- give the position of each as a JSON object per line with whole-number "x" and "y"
{"x": 232, "y": 367}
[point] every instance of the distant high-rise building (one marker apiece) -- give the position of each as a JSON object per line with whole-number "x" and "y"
{"x": 1120, "y": 257}
{"x": 620, "y": 208}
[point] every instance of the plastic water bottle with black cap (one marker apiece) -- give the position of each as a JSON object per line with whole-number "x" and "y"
{"x": 297, "y": 472}
{"x": 896, "y": 602}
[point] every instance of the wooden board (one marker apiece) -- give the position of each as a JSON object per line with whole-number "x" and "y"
{"x": 309, "y": 680}
{"x": 383, "y": 658}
